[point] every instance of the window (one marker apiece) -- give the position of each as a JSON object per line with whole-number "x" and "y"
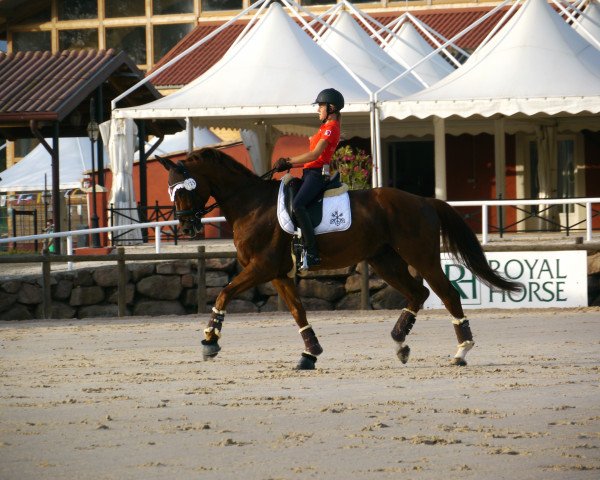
{"x": 166, "y": 36}
{"x": 130, "y": 8}
{"x": 132, "y": 40}
{"x": 164, "y": 7}
{"x": 77, "y": 9}
{"x": 74, "y": 39}
{"x": 214, "y": 5}
{"x": 31, "y": 41}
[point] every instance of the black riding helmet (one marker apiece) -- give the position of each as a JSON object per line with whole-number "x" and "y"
{"x": 332, "y": 97}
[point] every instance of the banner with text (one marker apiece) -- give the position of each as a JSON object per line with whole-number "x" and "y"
{"x": 550, "y": 279}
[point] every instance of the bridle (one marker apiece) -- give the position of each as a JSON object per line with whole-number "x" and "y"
{"x": 189, "y": 184}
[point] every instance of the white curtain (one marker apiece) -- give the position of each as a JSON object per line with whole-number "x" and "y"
{"x": 547, "y": 151}
{"x": 119, "y": 136}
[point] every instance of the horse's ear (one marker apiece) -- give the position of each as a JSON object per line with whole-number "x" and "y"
{"x": 166, "y": 162}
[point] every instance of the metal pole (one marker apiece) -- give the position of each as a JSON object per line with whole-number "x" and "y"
{"x": 93, "y": 136}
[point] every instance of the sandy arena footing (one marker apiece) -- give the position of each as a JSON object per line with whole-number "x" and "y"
{"x": 132, "y": 399}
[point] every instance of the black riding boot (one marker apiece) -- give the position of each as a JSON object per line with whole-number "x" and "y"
{"x": 308, "y": 234}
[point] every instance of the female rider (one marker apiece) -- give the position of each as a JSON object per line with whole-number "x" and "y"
{"x": 321, "y": 149}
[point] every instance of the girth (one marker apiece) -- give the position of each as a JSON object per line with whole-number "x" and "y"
{"x": 314, "y": 208}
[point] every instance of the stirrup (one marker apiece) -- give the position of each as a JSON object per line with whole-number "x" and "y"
{"x": 309, "y": 260}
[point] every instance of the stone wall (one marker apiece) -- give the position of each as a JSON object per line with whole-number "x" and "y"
{"x": 170, "y": 288}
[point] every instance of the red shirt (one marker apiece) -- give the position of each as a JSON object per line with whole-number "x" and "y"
{"x": 330, "y": 132}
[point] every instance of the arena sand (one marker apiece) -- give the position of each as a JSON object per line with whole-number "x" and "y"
{"x": 129, "y": 399}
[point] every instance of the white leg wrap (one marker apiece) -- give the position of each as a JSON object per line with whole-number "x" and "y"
{"x": 305, "y": 328}
{"x": 463, "y": 349}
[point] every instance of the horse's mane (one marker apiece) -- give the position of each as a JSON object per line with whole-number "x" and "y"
{"x": 212, "y": 156}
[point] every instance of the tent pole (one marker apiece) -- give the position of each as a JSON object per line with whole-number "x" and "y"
{"x": 373, "y": 143}
{"x": 143, "y": 177}
{"x": 189, "y": 128}
{"x": 500, "y": 157}
{"x": 439, "y": 129}
{"x": 100, "y": 145}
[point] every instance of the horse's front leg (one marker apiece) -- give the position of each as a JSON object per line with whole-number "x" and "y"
{"x": 312, "y": 349}
{"x": 247, "y": 278}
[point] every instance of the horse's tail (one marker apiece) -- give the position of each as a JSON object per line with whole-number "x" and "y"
{"x": 460, "y": 241}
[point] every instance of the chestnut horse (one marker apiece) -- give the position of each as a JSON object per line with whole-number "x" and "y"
{"x": 391, "y": 229}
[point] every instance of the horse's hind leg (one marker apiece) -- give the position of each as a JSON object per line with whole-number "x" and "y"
{"x": 451, "y": 298}
{"x": 394, "y": 270}
{"x": 312, "y": 349}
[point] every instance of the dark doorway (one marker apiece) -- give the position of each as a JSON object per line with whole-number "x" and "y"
{"x": 411, "y": 167}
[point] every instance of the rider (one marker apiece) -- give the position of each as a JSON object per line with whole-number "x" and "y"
{"x": 316, "y": 166}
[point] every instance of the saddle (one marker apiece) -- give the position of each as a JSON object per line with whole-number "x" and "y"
{"x": 314, "y": 208}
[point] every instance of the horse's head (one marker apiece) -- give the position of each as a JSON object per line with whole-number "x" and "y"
{"x": 190, "y": 194}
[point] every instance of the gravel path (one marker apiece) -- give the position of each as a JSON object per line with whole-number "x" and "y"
{"x": 132, "y": 399}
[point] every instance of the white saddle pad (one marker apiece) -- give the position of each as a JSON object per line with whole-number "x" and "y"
{"x": 336, "y": 213}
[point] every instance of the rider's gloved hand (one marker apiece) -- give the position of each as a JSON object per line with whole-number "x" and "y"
{"x": 282, "y": 164}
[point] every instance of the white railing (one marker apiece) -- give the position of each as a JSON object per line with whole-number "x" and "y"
{"x": 485, "y": 204}
{"x": 134, "y": 226}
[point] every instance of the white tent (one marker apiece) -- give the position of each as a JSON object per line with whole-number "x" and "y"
{"x": 178, "y": 142}
{"x": 34, "y": 171}
{"x": 364, "y": 57}
{"x": 536, "y": 64}
{"x": 276, "y": 69}
{"x": 409, "y": 47}
{"x": 588, "y": 23}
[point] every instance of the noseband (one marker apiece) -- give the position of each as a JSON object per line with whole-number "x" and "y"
{"x": 189, "y": 184}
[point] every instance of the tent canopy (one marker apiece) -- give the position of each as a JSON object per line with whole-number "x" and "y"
{"x": 536, "y": 64}
{"x": 367, "y": 59}
{"x": 29, "y": 174}
{"x": 272, "y": 74}
{"x": 589, "y": 20}
{"x": 409, "y": 47}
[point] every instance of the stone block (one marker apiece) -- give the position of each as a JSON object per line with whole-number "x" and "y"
{"x": 155, "y": 308}
{"x": 108, "y": 276}
{"x": 83, "y": 278}
{"x": 188, "y": 280}
{"x": 98, "y": 311}
{"x": 62, "y": 290}
{"x": 160, "y": 287}
{"x": 86, "y": 296}
{"x": 388, "y": 299}
{"x": 271, "y": 305}
{"x": 248, "y": 295}
{"x": 141, "y": 270}
{"x": 112, "y": 295}
{"x": 354, "y": 284}
{"x": 17, "y": 312}
{"x": 58, "y": 310}
{"x": 221, "y": 264}
{"x": 11, "y": 286}
{"x": 336, "y": 273}
{"x": 179, "y": 267}
{"x": 328, "y": 290}
{"x": 7, "y": 300}
{"x": 216, "y": 279}
{"x": 30, "y": 294}
{"x": 316, "y": 304}
{"x": 266, "y": 289}
{"x": 349, "y": 302}
{"x": 241, "y": 306}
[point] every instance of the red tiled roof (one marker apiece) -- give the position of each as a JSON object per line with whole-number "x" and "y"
{"x": 43, "y": 85}
{"x": 447, "y": 22}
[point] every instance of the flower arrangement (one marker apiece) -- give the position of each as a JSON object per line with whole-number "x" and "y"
{"x": 355, "y": 167}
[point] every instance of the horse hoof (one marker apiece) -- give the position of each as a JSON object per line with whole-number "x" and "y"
{"x": 403, "y": 353}
{"x": 306, "y": 362}
{"x": 458, "y": 362}
{"x": 210, "y": 350}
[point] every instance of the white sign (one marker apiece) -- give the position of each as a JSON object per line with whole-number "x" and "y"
{"x": 550, "y": 279}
